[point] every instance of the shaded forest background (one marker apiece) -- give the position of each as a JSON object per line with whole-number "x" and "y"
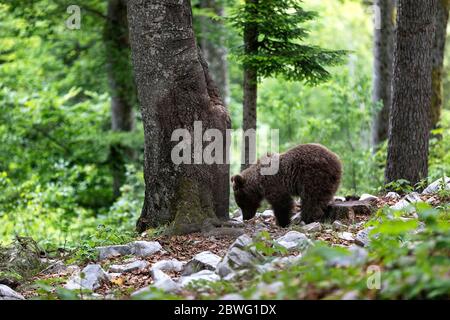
{"x": 70, "y": 173}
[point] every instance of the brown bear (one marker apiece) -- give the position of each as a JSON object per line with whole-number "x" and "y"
{"x": 310, "y": 171}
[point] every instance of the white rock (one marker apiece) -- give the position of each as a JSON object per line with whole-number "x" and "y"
{"x": 232, "y": 296}
{"x": 357, "y": 256}
{"x": 169, "y": 265}
{"x": 161, "y": 281}
{"x": 286, "y": 261}
{"x": 267, "y": 290}
{"x": 145, "y": 248}
{"x": 401, "y": 205}
{"x": 294, "y": 240}
{"x": 113, "y": 251}
{"x": 167, "y": 285}
{"x": 238, "y": 256}
{"x": 413, "y": 197}
{"x": 159, "y": 275}
{"x": 93, "y": 277}
{"x": 338, "y": 226}
{"x": 267, "y": 214}
{"x": 438, "y": 185}
{"x": 129, "y": 267}
{"x": 242, "y": 242}
{"x": 348, "y": 236}
{"x": 340, "y": 199}
{"x": 362, "y": 237}
{"x": 207, "y": 275}
{"x": 6, "y": 293}
{"x": 393, "y": 195}
{"x": 205, "y": 260}
{"x": 351, "y": 295}
{"x": 368, "y": 197}
{"x": 312, "y": 227}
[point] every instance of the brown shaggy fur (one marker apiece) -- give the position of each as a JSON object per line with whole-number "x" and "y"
{"x": 310, "y": 171}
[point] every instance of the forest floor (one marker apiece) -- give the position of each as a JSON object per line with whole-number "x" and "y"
{"x": 183, "y": 248}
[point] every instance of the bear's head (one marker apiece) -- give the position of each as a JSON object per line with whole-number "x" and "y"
{"x": 247, "y": 199}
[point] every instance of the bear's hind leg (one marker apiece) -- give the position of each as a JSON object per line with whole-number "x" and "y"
{"x": 282, "y": 206}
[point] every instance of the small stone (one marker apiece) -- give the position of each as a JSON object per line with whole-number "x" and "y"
{"x": 401, "y": 205}
{"x": 438, "y": 185}
{"x": 169, "y": 265}
{"x": 264, "y": 290}
{"x": 348, "y": 236}
{"x": 294, "y": 240}
{"x": 238, "y": 256}
{"x": 362, "y": 237}
{"x": 6, "y": 293}
{"x": 267, "y": 214}
{"x": 393, "y": 195}
{"x": 242, "y": 242}
{"x": 113, "y": 251}
{"x": 357, "y": 256}
{"x": 159, "y": 275}
{"x": 129, "y": 267}
{"x": 232, "y": 296}
{"x": 339, "y": 199}
{"x": 203, "y": 261}
{"x": 368, "y": 197}
{"x": 338, "y": 226}
{"x": 167, "y": 285}
{"x": 145, "y": 248}
{"x": 413, "y": 197}
{"x": 312, "y": 227}
{"x": 93, "y": 277}
{"x": 351, "y": 295}
{"x": 207, "y": 275}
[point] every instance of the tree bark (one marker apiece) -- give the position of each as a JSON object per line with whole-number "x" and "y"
{"x": 382, "y": 73}
{"x": 250, "y": 87}
{"x": 122, "y": 89}
{"x": 175, "y": 90}
{"x": 409, "y": 119}
{"x": 212, "y": 44}
{"x": 438, "y": 61}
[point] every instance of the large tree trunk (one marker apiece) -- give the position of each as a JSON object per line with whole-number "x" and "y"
{"x": 212, "y": 43}
{"x": 175, "y": 90}
{"x": 438, "y": 61}
{"x": 382, "y": 73}
{"x": 409, "y": 118}
{"x": 250, "y": 89}
{"x": 118, "y": 66}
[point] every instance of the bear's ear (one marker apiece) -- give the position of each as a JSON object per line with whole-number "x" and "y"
{"x": 238, "y": 181}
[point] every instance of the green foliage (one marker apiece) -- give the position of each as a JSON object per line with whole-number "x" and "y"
{"x": 280, "y": 49}
{"x": 410, "y": 257}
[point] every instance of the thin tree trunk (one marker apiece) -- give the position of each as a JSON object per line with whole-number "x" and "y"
{"x": 250, "y": 88}
{"x": 175, "y": 90}
{"x": 409, "y": 118}
{"x": 212, "y": 42}
{"x": 438, "y": 61}
{"x": 118, "y": 66}
{"x": 382, "y": 73}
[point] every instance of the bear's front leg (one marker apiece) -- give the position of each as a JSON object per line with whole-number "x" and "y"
{"x": 311, "y": 211}
{"x": 282, "y": 205}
